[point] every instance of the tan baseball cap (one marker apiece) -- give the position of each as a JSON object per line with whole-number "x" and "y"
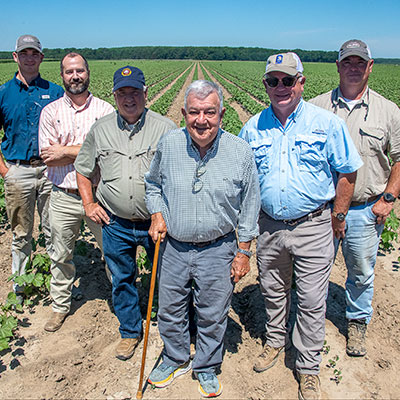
{"x": 289, "y": 63}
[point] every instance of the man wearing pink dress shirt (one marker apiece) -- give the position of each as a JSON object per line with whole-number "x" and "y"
{"x": 62, "y": 130}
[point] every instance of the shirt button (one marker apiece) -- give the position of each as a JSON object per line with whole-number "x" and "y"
{"x": 199, "y": 219}
{"x": 130, "y": 177}
{"x": 130, "y": 157}
{"x": 283, "y": 152}
{"x": 283, "y": 171}
{"x": 131, "y": 197}
{"x": 283, "y": 189}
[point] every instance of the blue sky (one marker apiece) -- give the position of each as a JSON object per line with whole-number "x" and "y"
{"x": 311, "y": 25}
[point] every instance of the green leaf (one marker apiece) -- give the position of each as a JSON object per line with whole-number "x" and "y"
{"x": 4, "y": 344}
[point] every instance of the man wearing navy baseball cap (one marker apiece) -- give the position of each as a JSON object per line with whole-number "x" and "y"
{"x": 122, "y": 145}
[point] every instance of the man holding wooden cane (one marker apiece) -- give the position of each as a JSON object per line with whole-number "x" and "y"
{"x": 202, "y": 185}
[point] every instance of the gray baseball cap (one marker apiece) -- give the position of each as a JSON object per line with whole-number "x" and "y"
{"x": 354, "y": 47}
{"x": 28, "y": 42}
{"x": 288, "y": 63}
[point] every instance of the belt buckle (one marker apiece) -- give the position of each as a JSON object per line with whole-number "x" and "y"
{"x": 36, "y": 163}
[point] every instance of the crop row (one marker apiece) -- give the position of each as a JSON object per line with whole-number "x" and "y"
{"x": 163, "y": 104}
{"x": 240, "y": 96}
{"x": 231, "y": 121}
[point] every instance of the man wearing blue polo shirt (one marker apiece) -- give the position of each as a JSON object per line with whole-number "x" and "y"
{"x": 21, "y": 101}
{"x": 296, "y": 147}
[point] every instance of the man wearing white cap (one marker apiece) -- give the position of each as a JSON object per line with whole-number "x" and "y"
{"x": 21, "y": 101}
{"x": 296, "y": 147}
{"x": 374, "y": 125}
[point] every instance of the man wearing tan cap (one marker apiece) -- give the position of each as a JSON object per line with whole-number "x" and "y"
{"x": 296, "y": 147}
{"x": 374, "y": 125}
{"x": 21, "y": 101}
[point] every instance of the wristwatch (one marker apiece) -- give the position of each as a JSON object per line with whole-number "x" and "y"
{"x": 388, "y": 197}
{"x": 340, "y": 216}
{"x": 245, "y": 252}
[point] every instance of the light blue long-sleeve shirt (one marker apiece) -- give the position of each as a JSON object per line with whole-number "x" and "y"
{"x": 203, "y": 199}
{"x": 295, "y": 161}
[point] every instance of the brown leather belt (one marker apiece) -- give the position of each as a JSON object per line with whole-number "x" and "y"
{"x": 71, "y": 191}
{"x": 363, "y": 203}
{"x": 293, "y": 222}
{"x": 33, "y": 162}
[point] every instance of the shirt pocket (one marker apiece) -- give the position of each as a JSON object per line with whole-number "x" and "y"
{"x": 372, "y": 140}
{"x": 262, "y": 154}
{"x": 110, "y": 162}
{"x": 144, "y": 157}
{"x": 311, "y": 151}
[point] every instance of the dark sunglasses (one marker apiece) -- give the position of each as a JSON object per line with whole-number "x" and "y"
{"x": 287, "y": 81}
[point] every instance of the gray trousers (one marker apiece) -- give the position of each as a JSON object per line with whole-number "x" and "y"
{"x": 308, "y": 249}
{"x": 66, "y": 214}
{"x": 209, "y": 268}
{"x": 25, "y": 187}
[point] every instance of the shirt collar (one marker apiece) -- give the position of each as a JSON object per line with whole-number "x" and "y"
{"x": 338, "y": 97}
{"x": 213, "y": 147}
{"x": 34, "y": 82}
{"x": 293, "y": 116}
{"x": 71, "y": 104}
{"x": 124, "y": 125}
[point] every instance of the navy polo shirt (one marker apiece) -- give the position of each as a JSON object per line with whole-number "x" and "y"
{"x": 20, "y": 108}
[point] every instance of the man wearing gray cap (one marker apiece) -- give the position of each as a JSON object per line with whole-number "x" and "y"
{"x": 296, "y": 147}
{"x": 21, "y": 101}
{"x": 374, "y": 125}
{"x": 121, "y": 145}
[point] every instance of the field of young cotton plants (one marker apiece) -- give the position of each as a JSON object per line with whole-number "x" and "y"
{"x": 78, "y": 361}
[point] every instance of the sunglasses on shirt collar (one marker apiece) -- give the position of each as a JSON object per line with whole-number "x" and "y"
{"x": 287, "y": 81}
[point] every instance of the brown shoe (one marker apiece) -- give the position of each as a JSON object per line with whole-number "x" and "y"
{"x": 126, "y": 348}
{"x": 356, "y": 329}
{"x": 267, "y": 358}
{"x": 309, "y": 387}
{"x": 55, "y": 322}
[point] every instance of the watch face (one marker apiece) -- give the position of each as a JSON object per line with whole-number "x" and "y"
{"x": 389, "y": 197}
{"x": 341, "y": 217}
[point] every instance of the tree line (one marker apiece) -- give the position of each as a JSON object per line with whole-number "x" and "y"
{"x": 189, "y": 52}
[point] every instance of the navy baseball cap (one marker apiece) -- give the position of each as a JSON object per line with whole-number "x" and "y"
{"x": 128, "y": 76}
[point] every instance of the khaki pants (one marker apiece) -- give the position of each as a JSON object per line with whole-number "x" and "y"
{"x": 306, "y": 248}
{"x": 66, "y": 214}
{"x": 25, "y": 187}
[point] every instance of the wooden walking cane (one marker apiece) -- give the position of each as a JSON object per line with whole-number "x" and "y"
{"x": 139, "y": 393}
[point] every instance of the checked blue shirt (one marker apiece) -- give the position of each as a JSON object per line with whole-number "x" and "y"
{"x": 295, "y": 161}
{"x": 203, "y": 199}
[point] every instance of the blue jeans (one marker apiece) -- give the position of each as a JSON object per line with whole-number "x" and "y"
{"x": 120, "y": 240}
{"x": 360, "y": 247}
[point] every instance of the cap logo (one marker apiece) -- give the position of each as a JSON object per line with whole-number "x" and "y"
{"x": 28, "y": 39}
{"x": 126, "y": 72}
{"x": 279, "y": 59}
{"x": 353, "y": 45}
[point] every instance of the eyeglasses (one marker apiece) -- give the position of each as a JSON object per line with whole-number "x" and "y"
{"x": 197, "y": 184}
{"x": 287, "y": 81}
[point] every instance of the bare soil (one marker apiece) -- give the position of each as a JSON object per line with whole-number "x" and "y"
{"x": 78, "y": 362}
